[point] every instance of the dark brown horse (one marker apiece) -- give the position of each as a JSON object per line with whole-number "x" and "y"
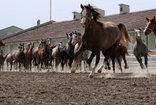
{"x": 97, "y": 36}
{"x": 150, "y": 26}
{"x": 2, "y": 59}
{"x": 18, "y": 55}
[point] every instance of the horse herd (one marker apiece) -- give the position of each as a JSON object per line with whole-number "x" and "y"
{"x": 106, "y": 37}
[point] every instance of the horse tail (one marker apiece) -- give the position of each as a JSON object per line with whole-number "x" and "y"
{"x": 150, "y": 52}
{"x": 5, "y": 56}
{"x": 127, "y": 53}
{"x": 124, "y": 32}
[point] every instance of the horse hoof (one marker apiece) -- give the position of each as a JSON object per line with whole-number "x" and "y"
{"x": 90, "y": 76}
{"x": 126, "y": 67}
{"x": 99, "y": 71}
{"x": 73, "y": 71}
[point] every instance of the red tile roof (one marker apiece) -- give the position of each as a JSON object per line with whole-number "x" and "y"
{"x": 132, "y": 20}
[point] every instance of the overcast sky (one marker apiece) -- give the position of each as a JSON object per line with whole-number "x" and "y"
{"x": 25, "y": 13}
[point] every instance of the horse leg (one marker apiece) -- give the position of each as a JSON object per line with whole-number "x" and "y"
{"x": 62, "y": 62}
{"x": 10, "y": 66}
{"x": 146, "y": 60}
{"x": 113, "y": 61}
{"x": 97, "y": 53}
{"x": 118, "y": 59}
{"x": 82, "y": 48}
{"x": 19, "y": 66}
{"x": 30, "y": 65}
{"x": 125, "y": 61}
{"x": 140, "y": 61}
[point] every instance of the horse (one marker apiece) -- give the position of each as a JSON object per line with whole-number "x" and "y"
{"x": 120, "y": 52}
{"x": 67, "y": 51}
{"x": 57, "y": 55}
{"x": 77, "y": 41}
{"x": 26, "y": 55}
{"x": 10, "y": 60}
{"x": 2, "y": 59}
{"x": 29, "y": 54}
{"x": 141, "y": 50}
{"x": 97, "y": 36}
{"x": 43, "y": 53}
{"x": 18, "y": 55}
{"x": 150, "y": 26}
{"x": 51, "y": 58}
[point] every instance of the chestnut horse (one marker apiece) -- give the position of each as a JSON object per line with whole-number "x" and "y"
{"x": 150, "y": 26}
{"x": 43, "y": 53}
{"x": 26, "y": 55}
{"x": 29, "y": 54}
{"x": 97, "y": 36}
{"x": 120, "y": 52}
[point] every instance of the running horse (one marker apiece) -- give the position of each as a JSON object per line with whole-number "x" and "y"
{"x": 29, "y": 54}
{"x": 18, "y": 55}
{"x": 141, "y": 50}
{"x": 43, "y": 53}
{"x": 150, "y": 26}
{"x": 97, "y": 36}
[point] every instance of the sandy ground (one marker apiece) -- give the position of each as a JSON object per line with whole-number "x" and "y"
{"x": 132, "y": 87}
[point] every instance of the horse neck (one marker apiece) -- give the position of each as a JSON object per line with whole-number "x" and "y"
{"x": 154, "y": 30}
{"x": 80, "y": 41}
{"x": 139, "y": 40}
{"x": 70, "y": 48}
{"x": 92, "y": 28}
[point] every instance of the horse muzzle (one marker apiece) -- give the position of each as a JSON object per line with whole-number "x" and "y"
{"x": 83, "y": 25}
{"x": 73, "y": 43}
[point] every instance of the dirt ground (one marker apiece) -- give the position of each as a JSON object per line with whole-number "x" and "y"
{"x": 24, "y": 88}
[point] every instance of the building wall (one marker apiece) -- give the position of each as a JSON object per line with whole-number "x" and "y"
{"x": 151, "y": 43}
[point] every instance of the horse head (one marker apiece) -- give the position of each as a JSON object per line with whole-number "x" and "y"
{"x": 76, "y": 38}
{"x": 88, "y": 14}
{"x": 60, "y": 45}
{"x": 28, "y": 46}
{"x": 150, "y": 25}
{"x": 69, "y": 38}
{"x": 138, "y": 34}
{"x": 42, "y": 45}
{"x": 21, "y": 47}
{"x": 49, "y": 41}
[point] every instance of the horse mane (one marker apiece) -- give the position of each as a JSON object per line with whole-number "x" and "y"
{"x": 96, "y": 15}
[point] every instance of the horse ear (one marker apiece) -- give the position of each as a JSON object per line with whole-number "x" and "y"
{"x": 82, "y": 7}
{"x": 154, "y": 18}
{"x": 147, "y": 19}
{"x": 89, "y": 5}
{"x": 79, "y": 33}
